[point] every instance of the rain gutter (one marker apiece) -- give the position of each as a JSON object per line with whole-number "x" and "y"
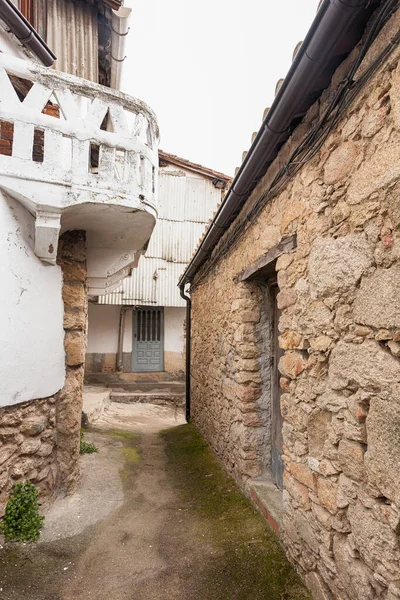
{"x": 188, "y": 349}
{"x": 121, "y": 329}
{"x": 335, "y": 31}
{"x": 25, "y": 33}
{"x": 120, "y": 29}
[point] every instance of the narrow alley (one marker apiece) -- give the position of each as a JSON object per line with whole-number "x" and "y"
{"x": 154, "y": 517}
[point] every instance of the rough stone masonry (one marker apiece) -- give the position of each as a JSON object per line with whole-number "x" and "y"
{"x": 39, "y": 439}
{"x": 339, "y": 297}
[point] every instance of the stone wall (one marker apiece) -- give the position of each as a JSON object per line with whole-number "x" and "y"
{"x": 27, "y": 446}
{"x": 72, "y": 259}
{"x": 39, "y": 440}
{"x": 340, "y": 328}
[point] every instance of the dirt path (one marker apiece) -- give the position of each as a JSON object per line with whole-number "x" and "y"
{"x": 155, "y": 519}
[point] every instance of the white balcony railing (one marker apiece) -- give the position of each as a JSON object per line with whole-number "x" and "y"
{"x": 79, "y": 156}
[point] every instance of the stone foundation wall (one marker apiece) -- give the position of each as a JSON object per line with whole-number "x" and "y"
{"x": 27, "y": 446}
{"x": 340, "y": 328}
{"x": 39, "y": 440}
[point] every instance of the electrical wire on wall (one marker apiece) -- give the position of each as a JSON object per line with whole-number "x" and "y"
{"x": 344, "y": 95}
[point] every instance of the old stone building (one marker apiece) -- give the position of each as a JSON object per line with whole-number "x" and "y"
{"x": 78, "y": 168}
{"x": 295, "y": 296}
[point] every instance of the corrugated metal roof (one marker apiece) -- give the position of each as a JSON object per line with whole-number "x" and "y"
{"x": 72, "y": 34}
{"x": 116, "y": 4}
{"x": 172, "y": 159}
{"x": 186, "y": 202}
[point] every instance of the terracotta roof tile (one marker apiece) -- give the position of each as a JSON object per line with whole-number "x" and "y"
{"x": 186, "y": 164}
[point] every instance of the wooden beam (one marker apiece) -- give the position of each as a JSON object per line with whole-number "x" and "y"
{"x": 264, "y": 266}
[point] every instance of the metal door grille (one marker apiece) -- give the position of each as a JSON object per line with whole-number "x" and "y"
{"x": 148, "y": 325}
{"x": 148, "y": 340}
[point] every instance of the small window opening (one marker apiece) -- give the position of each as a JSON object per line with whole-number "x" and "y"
{"x": 67, "y": 152}
{"x": 20, "y": 85}
{"x": 149, "y": 137}
{"x": 6, "y": 138}
{"x": 52, "y": 108}
{"x": 142, "y": 170}
{"x": 107, "y": 124}
{"x": 38, "y": 146}
{"x": 94, "y": 152}
{"x": 120, "y": 164}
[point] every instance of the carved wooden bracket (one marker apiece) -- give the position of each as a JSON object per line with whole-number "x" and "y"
{"x": 47, "y": 230}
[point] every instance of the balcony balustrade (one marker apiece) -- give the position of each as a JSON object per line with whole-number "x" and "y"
{"x": 78, "y": 155}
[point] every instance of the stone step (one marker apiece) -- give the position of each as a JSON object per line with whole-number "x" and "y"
{"x": 268, "y": 499}
{"x": 172, "y": 387}
{"x": 112, "y": 378}
{"x": 156, "y": 397}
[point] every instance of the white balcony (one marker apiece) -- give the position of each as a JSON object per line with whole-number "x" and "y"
{"x": 78, "y": 155}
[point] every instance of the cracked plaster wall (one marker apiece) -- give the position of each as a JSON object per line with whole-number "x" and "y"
{"x": 31, "y": 319}
{"x": 39, "y": 439}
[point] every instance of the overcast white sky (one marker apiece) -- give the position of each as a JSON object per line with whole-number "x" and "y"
{"x": 208, "y": 69}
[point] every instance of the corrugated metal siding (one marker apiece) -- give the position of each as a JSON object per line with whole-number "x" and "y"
{"x": 39, "y": 13}
{"x": 153, "y": 283}
{"x": 174, "y": 241}
{"x": 186, "y": 198}
{"x": 72, "y": 34}
{"x": 185, "y": 205}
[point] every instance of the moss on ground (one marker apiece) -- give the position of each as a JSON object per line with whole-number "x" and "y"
{"x": 247, "y": 560}
{"x": 130, "y": 442}
{"x": 131, "y": 455}
{"x": 124, "y": 434}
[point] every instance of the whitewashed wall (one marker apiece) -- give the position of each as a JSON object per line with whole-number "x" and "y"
{"x": 104, "y": 327}
{"x": 128, "y": 332}
{"x": 174, "y": 318}
{"x": 103, "y": 330}
{"x": 104, "y": 324}
{"x": 32, "y": 363}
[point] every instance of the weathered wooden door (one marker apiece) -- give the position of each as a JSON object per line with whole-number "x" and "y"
{"x": 277, "y": 419}
{"x": 148, "y": 340}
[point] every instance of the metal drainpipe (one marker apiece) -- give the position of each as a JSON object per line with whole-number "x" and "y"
{"x": 120, "y": 29}
{"x": 121, "y": 330}
{"x": 188, "y": 344}
{"x": 25, "y": 33}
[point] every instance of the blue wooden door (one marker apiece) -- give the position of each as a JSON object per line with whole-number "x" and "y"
{"x": 148, "y": 340}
